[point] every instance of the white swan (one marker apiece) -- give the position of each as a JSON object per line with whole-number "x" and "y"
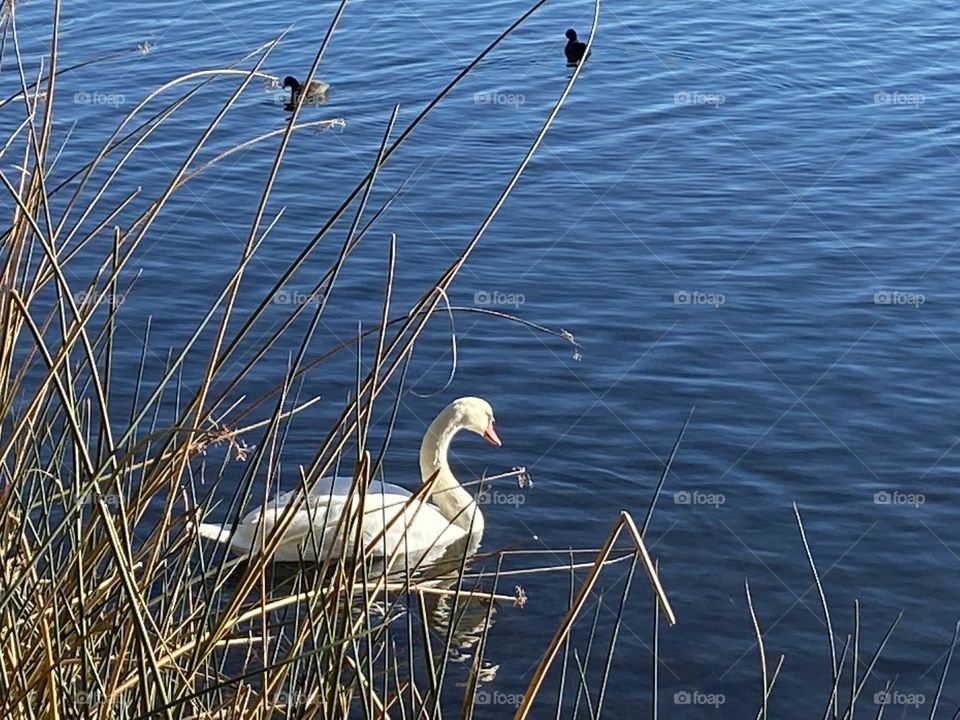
{"x": 312, "y": 533}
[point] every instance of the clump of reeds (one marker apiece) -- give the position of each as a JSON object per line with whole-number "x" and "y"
{"x": 110, "y": 603}
{"x": 850, "y": 672}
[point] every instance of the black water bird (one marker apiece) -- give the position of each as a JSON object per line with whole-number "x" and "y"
{"x": 315, "y": 90}
{"x": 574, "y": 49}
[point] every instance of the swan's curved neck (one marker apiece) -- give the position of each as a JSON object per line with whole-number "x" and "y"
{"x": 454, "y": 502}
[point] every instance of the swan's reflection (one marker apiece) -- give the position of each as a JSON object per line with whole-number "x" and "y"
{"x": 417, "y": 614}
{"x": 436, "y": 567}
{"x": 435, "y": 574}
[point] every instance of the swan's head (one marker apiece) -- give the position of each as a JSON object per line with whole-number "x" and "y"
{"x": 571, "y": 34}
{"x": 291, "y": 82}
{"x": 476, "y": 415}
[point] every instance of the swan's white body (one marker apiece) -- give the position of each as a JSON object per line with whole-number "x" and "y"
{"x": 313, "y": 535}
{"x": 413, "y": 527}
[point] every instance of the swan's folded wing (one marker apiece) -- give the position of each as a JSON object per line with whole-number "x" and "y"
{"x": 314, "y": 532}
{"x": 257, "y": 526}
{"x": 422, "y": 528}
{"x": 391, "y": 521}
{"x": 327, "y": 487}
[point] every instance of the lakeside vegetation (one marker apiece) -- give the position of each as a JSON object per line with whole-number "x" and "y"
{"x": 112, "y": 605}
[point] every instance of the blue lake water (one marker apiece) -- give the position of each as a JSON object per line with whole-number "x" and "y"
{"x": 748, "y": 209}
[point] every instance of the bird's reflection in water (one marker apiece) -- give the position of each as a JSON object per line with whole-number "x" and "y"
{"x": 470, "y": 622}
{"x": 437, "y": 566}
{"x": 463, "y": 617}
{"x": 470, "y": 615}
{"x": 436, "y": 572}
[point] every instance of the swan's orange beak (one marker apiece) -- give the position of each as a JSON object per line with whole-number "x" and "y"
{"x": 490, "y": 435}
